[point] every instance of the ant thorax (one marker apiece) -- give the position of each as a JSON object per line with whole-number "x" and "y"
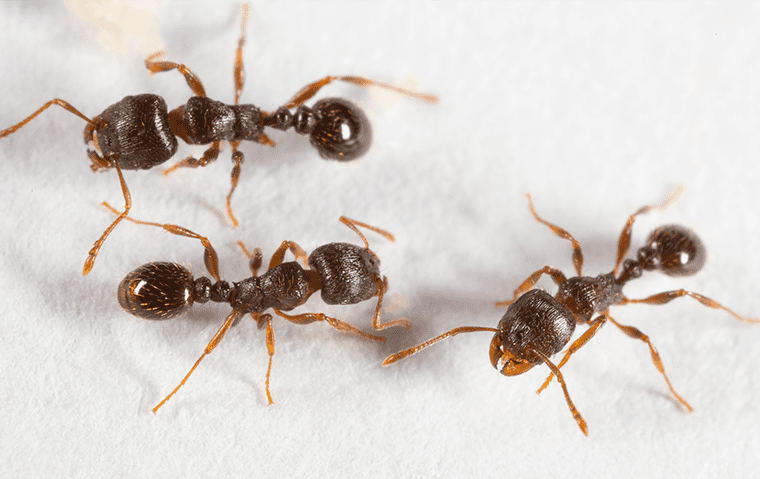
{"x": 585, "y": 296}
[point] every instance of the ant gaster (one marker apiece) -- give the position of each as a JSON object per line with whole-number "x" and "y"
{"x": 537, "y": 325}
{"x": 138, "y": 132}
{"x": 344, "y": 273}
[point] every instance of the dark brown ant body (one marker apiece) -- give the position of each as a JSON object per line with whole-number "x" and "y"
{"x": 538, "y": 325}
{"x": 139, "y": 133}
{"x": 344, "y": 273}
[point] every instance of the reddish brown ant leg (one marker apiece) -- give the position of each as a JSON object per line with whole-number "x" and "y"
{"x": 265, "y": 140}
{"x": 577, "y": 344}
{"x": 311, "y": 89}
{"x": 209, "y": 155}
{"x": 636, "y": 334}
{"x": 255, "y": 258}
{"x": 577, "y": 254}
{"x": 306, "y": 318}
{"x": 573, "y": 409}
{"x": 279, "y": 254}
{"x": 93, "y": 253}
{"x": 211, "y": 345}
{"x": 557, "y": 276}
{"x": 382, "y": 287}
{"x": 161, "y": 66}
{"x": 668, "y": 296}
{"x": 261, "y": 321}
{"x": 210, "y": 258}
{"x": 624, "y": 241}
{"x": 239, "y": 72}
{"x": 237, "y": 158}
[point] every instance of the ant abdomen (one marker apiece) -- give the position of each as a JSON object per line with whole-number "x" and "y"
{"x": 136, "y": 130}
{"x": 349, "y": 272}
{"x": 341, "y": 131}
{"x": 674, "y": 250}
{"x": 157, "y": 291}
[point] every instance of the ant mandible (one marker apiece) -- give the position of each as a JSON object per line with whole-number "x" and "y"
{"x": 344, "y": 273}
{"x": 138, "y": 132}
{"x": 537, "y": 326}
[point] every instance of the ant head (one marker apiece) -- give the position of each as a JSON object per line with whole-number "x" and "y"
{"x": 674, "y": 250}
{"x": 349, "y": 273}
{"x": 505, "y": 360}
{"x": 534, "y": 322}
{"x": 157, "y": 291}
{"x": 341, "y": 130}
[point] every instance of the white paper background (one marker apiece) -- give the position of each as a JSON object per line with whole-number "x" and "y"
{"x": 595, "y": 108}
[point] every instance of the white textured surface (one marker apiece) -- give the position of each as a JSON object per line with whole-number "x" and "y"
{"x": 595, "y": 108}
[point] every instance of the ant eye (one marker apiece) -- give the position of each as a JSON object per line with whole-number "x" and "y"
{"x": 342, "y": 131}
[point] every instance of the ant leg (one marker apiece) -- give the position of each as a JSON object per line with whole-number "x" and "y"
{"x": 573, "y": 410}
{"x": 239, "y": 75}
{"x": 190, "y": 162}
{"x": 668, "y": 296}
{"x": 382, "y": 287}
{"x": 56, "y": 101}
{"x": 408, "y": 352}
{"x": 239, "y": 71}
{"x": 93, "y": 253}
{"x": 211, "y": 345}
{"x": 636, "y": 334}
{"x": 306, "y": 318}
{"x": 557, "y": 276}
{"x": 353, "y": 225}
{"x": 237, "y": 158}
{"x": 625, "y": 236}
{"x": 161, "y": 66}
{"x": 577, "y": 254}
{"x": 255, "y": 259}
{"x": 577, "y": 344}
{"x": 279, "y": 254}
{"x": 311, "y": 89}
{"x": 261, "y": 320}
{"x": 210, "y": 257}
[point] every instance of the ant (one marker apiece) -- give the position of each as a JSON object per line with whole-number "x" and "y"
{"x": 537, "y": 325}
{"x": 344, "y": 273}
{"x": 138, "y": 132}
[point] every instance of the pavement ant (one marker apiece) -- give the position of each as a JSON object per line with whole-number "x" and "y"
{"x": 537, "y": 326}
{"x": 138, "y": 132}
{"x": 344, "y": 273}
